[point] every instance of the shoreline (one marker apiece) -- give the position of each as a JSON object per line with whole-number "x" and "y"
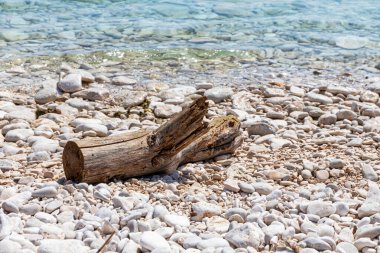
{"x": 189, "y": 67}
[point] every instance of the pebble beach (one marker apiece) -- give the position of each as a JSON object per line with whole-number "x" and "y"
{"x": 304, "y": 180}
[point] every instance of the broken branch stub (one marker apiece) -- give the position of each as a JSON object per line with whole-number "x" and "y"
{"x": 182, "y": 139}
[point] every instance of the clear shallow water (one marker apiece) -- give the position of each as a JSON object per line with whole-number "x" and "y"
{"x": 338, "y": 30}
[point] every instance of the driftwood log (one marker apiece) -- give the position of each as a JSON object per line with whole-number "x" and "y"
{"x": 184, "y": 138}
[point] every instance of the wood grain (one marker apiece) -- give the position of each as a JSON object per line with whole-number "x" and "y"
{"x": 182, "y": 139}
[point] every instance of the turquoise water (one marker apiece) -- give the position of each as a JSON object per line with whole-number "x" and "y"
{"x": 271, "y": 29}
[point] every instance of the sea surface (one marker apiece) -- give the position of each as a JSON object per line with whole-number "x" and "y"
{"x": 296, "y": 30}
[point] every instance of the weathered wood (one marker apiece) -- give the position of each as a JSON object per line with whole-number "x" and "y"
{"x": 180, "y": 126}
{"x": 184, "y": 138}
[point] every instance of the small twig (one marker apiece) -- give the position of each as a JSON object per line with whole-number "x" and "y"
{"x": 105, "y": 243}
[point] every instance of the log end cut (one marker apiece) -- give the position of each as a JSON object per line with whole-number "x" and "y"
{"x": 73, "y": 162}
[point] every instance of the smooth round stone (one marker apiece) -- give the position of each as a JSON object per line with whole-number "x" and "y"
{"x": 45, "y": 145}
{"x": 176, "y": 220}
{"x": 53, "y": 205}
{"x": 165, "y": 232}
{"x": 322, "y": 175}
{"x": 122, "y": 202}
{"x": 277, "y": 100}
{"x": 131, "y": 246}
{"x": 160, "y": 211}
{"x": 327, "y": 119}
{"x": 38, "y": 156}
{"x": 317, "y": 243}
{"x": 100, "y": 130}
{"x": 71, "y": 83}
{"x": 364, "y": 242}
{"x": 355, "y": 142}
{"x": 184, "y": 90}
{"x": 371, "y": 205}
{"x": 346, "y": 114}
{"x": 297, "y": 91}
{"x": 242, "y": 115}
{"x": 204, "y": 209}
{"x": 123, "y": 80}
{"x": 102, "y": 194}
{"x": 346, "y": 247}
{"x": 325, "y": 230}
{"x": 9, "y": 165}
{"x": 346, "y": 235}
{"x": 45, "y": 217}
{"x": 64, "y": 246}
{"x": 151, "y": 240}
{"x": 52, "y": 231}
{"x": 336, "y": 163}
{"x": 93, "y": 94}
{"x": 217, "y": 224}
{"x": 369, "y": 96}
{"x": 18, "y": 134}
{"x": 274, "y": 229}
{"x": 306, "y": 174}
{"x": 273, "y": 92}
{"x": 11, "y": 35}
{"x": 213, "y": 243}
{"x": 7, "y": 225}
{"x": 107, "y": 228}
{"x": 231, "y": 185}
{"x": 218, "y": 94}
{"x": 45, "y": 95}
{"x": 319, "y": 98}
{"x": 134, "y": 98}
{"x": 67, "y": 35}
{"x": 246, "y": 187}
{"x": 228, "y": 9}
{"x": 102, "y": 78}
{"x": 236, "y": 211}
{"x": 261, "y": 128}
{"x": 174, "y": 101}
{"x": 80, "y": 121}
{"x": 290, "y": 134}
{"x": 368, "y": 172}
{"x": 8, "y": 246}
{"x": 79, "y": 104}
{"x": 276, "y": 174}
{"x": 170, "y": 94}
{"x": 86, "y": 76}
{"x": 10, "y": 207}
{"x": 263, "y": 188}
{"x": 320, "y": 208}
{"x": 191, "y": 241}
{"x": 66, "y": 110}
{"x": 205, "y": 86}
{"x": 21, "y": 125}
{"x": 66, "y": 216}
{"x": 342, "y": 208}
{"x": 45, "y": 192}
{"x": 30, "y": 209}
{"x": 166, "y": 110}
{"x": 308, "y": 250}
{"x": 43, "y": 130}
{"x": 245, "y": 235}
{"x": 370, "y": 231}
{"x": 376, "y": 85}
{"x": 7, "y": 192}
{"x": 351, "y": 42}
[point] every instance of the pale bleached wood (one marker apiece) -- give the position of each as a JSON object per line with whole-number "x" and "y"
{"x": 182, "y": 139}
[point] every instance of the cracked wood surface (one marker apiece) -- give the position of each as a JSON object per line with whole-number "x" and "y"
{"x": 182, "y": 139}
